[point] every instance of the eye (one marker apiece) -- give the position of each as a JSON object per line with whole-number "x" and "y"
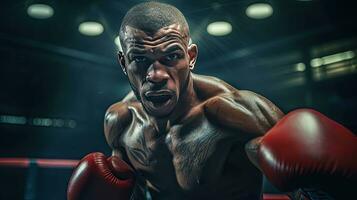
{"x": 139, "y": 59}
{"x": 172, "y": 57}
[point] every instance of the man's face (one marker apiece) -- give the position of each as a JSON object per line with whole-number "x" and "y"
{"x": 158, "y": 66}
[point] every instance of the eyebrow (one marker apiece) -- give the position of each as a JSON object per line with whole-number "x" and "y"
{"x": 136, "y": 50}
{"x": 171, "y": 48}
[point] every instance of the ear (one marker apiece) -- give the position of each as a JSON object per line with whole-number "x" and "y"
{"x": 121, "y": 61}
{"x": 192, "y": 52}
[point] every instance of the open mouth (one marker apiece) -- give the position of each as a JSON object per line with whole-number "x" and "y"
{"x": 158, "y": 97}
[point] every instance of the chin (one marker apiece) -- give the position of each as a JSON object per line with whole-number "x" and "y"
{"x": 158, "y": 114}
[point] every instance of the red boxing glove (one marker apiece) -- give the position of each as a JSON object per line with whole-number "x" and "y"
{"x": 306, "y": 149}
{"x": 99, "y": 178}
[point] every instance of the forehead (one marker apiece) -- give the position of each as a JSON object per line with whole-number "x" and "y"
{"x": 137, "y": 37}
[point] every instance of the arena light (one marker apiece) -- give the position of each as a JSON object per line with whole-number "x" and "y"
{"x": 334, "y": 58}
{"x": 316, "y": 62}
{"x": 219, "y": 28}
{"x": 300, "y": 67}
{"x": 338, "y": 57}
{"x": 38, "y": 121}
{"x": 40, "y": 11}
{"x": 91, "y": 28}
{"x": 72, "y": 124}
{"x": 259, "y": 11}
{"x": 11, "y": 119}
{"x": 42, "y": 122}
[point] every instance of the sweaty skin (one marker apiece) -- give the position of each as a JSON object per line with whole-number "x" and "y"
{"x": 184, "y": 133}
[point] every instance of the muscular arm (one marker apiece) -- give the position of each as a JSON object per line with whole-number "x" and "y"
{"x": 247, "y": 113}
{"x": 236, "y": 109}
{"x": 117, "y": 118}
{"x": 243, "y": 111}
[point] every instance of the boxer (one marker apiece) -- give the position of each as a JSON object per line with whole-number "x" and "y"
{"x": 178, "y": 135}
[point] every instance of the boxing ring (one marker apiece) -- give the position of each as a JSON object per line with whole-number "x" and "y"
{"x": 33, "y": 165}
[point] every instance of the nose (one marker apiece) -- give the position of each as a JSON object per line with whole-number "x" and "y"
{"x": 157, "y": 74}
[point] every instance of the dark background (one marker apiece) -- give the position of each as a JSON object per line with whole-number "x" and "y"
{"x": 55, "y": 83}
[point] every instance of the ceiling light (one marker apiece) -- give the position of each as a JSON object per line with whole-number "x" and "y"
{"x": 334, "y": 58}
{"x": 300, "y": 67}
{"x": 91, "y": 28}
{"x": 40, "y": 11}
{"x": 219, "y": 28}
{"x": 338, "y": 57}
{"x": 259, "y": 11}
{"x": 316, "y": 62}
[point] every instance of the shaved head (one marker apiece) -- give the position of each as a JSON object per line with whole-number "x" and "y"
{"x": 152, "y": 16}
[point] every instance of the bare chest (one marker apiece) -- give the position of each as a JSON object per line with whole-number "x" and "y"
{"x": 187, "y": 156}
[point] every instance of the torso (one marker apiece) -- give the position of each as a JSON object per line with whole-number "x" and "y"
{"x": 201, "y": 156}
{"x": 195, "y": 158}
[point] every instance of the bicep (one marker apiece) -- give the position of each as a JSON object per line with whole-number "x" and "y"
{"x": 269, "y": 111}
{"x": 265, "y": 114}
{"x": 116, "y": 119}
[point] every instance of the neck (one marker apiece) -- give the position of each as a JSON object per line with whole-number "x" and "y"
{"x": 187, "y": 100}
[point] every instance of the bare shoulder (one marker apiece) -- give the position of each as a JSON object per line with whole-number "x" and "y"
{"x": 117, "y": 118}
{"x": 243, "y": 110}
{"x": 209, "y": 86}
